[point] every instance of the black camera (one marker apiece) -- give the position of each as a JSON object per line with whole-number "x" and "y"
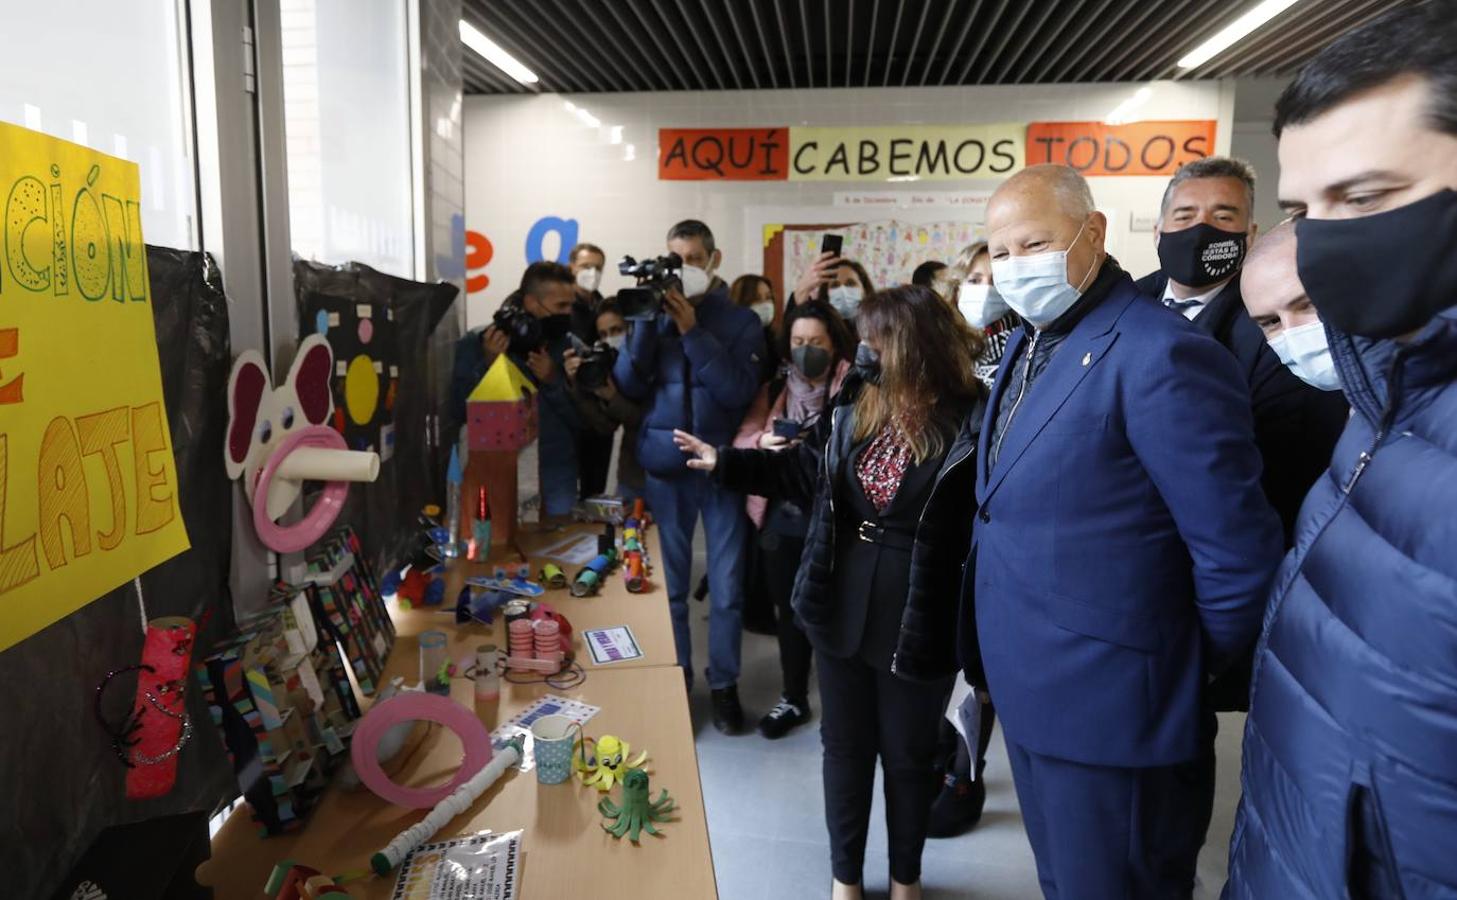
{"x": 520, "y": 327}
{"x": 597, "y": 362}
{"x": 654, "y": 278}
{"x": 787, "y": 428}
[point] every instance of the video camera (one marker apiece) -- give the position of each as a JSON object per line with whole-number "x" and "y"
{"x": 520, "y": 327}
{"x": 654, "y": 279}
{"x": 597, "y": 362}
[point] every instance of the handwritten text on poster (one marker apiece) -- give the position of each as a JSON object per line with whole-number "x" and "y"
{"x": 88, "y": 485}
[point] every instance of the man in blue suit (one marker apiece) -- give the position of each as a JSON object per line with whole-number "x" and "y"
{"x": 1121, "y": 553}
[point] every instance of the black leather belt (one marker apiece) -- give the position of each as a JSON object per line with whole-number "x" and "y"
{"x": 871, "y": 533}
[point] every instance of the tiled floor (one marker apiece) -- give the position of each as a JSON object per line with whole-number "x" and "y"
{"x": 765, "y": 809}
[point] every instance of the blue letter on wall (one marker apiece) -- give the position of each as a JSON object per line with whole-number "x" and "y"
{"x": 566, "y": 230}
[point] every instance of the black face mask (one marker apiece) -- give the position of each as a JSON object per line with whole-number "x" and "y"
{"x": 811, "y": 361}
{"x": 554, "y": 327}
{"x": 1201, "y": 255}
{"x": 867, "y": 364}
{"x": 1384, "y": 275}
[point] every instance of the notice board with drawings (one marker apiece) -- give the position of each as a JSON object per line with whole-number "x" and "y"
{"x": 889, "y": 249}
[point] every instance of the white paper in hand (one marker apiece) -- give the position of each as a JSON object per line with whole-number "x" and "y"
{"x": 964, "y": 713}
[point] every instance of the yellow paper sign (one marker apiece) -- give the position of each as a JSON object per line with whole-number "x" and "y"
{"x": 88, "y": 485}
{"x": 906, "y": 152}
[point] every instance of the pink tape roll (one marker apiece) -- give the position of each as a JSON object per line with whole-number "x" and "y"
{"x": 408, "y": 707}
{"x": 291, "y": 538}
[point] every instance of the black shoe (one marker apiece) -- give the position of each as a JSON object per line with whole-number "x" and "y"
{"x": 783, "y": 718}
{"x": 728, "y": 715}
{"x": 957, "y": 808}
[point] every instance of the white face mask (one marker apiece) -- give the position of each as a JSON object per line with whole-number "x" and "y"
{"x": 695, "y": 281}
{"x": 980, "y": 304}
{"x": 765, "y": 312}
{"x": 845, "y": 298}
{"x": 589, "y": 278}
{"x": 1306, "y": 352}
{"x": 1037, "y": 286}
{"x": 615, "y": 341}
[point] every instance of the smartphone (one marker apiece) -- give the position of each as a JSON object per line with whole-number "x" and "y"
{"x": 832, "y": 243}
{"x": 787, "y": 428}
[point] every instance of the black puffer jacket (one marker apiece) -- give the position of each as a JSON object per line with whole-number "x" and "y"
{"x": 806, "y": 474}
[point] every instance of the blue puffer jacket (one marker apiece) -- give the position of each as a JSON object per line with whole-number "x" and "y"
{"x": 1350, "y": 753}
{"x": 721, "y": 357}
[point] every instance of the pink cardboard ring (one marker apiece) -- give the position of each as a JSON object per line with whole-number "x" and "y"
{"x": 289, "y": 538}
{"x": 408, "y": 707}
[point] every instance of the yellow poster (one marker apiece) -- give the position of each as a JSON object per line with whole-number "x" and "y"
{"x": 88, "y": 486}
{"x": 906, "y": 152}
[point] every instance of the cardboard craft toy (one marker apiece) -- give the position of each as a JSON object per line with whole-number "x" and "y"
{"x": 277, "y": 439}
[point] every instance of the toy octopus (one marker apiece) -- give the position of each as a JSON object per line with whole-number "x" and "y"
{"x": 607, "y": 762}
{"x": 638, "y": 811}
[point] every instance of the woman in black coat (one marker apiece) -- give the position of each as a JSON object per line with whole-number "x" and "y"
{"x": 890, "y": 484}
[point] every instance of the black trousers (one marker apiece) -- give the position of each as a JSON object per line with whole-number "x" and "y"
{"x": 870, "y": 713}
{"x": 780, "y": 559}
{"x": 594, "y": 457}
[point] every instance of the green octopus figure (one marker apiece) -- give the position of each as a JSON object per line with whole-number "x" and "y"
{"x": 638, "y": 811}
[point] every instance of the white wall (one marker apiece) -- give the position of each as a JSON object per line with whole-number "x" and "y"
{"x": 1251, "y": 140}
{"x": 529, "y": 156}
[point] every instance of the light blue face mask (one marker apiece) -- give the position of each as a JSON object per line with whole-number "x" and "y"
{"x": 1306, "y": 352}
{"x": 1036, "y": 287}
{"x": 845, "y": 298}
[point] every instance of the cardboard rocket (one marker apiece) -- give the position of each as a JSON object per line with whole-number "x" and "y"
{"x": 501, "y": 411}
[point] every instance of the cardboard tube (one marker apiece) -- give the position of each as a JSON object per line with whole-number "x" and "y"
{"x": 321, "y": 464}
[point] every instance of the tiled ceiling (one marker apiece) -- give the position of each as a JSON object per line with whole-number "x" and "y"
{"x": 675, "y": 45}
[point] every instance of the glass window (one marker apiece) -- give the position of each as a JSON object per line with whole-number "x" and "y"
{"x": 117, "y": 83}
{"x": 347, "y": 115}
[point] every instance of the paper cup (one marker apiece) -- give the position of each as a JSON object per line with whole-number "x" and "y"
{"x": 553, "y": 738}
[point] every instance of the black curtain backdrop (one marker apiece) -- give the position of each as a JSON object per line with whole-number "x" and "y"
{"x": 63, "y": 785}
{"x": 402, "y": 315}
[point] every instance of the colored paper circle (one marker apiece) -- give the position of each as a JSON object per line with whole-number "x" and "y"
{"x": 361, "y": 389}
{"x": 321, "y": 322}
{"x": 412, "y": 706}
{"x": 366, "y": 330}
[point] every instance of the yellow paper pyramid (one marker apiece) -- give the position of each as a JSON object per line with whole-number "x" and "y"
{"x": 503, "y": 382}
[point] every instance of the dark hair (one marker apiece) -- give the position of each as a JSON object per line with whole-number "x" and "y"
{"x": 928, "y": 359}
{"x": 585, "y": 247}
{"x": 745, "y": 289}
{"x": 1412, "y": 40}
{"x": 688, "y": 229}
{"x": 860, "y": 273}
{"x": 840, "y": 337}
{"x": 540, "y": 274}
{"x": 925, "y": 274}
{"x": 1213, "y": 167}
{"x": 607, "y": 307}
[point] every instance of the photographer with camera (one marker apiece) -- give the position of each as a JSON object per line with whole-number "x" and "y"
{"x": 594, "y": 448}
{"x": 693, "y": 358}
{"x": 602, "y": 407}
{"x": 531, "y": 328}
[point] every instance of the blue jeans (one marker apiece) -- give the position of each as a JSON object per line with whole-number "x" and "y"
{"x": 675, "y": 504}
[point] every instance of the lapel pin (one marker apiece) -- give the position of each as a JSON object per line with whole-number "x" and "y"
{"x": 1087, "y": 358}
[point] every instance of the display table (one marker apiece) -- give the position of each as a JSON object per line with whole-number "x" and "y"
{"x": 567, "y": 854}
{"x": 646, "y": 613}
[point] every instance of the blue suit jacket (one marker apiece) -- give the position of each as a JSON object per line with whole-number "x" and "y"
{"x": 1123, "y": 545}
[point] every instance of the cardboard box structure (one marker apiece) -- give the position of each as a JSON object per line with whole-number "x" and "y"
{"x": 501, "y": 420}
{"x": 501, "y": 411}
